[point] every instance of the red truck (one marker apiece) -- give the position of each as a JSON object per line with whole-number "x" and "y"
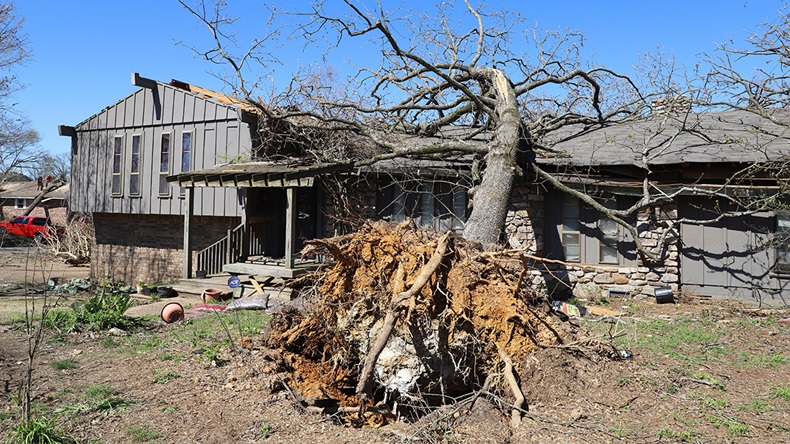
{"x": 37, "y": 228}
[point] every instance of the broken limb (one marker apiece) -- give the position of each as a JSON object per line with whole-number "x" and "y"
{"x": 394, "y": 311}
{"x": 512, "y": 382}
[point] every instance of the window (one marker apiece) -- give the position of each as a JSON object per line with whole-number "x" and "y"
{"x": 570, "y": 234}
{"x": 587, "y": 236}
{"x": 164, "y": 166}
{"x": 134, "y": 173}
{"x": 782, "y": 240}
{"x": 20, "y": 204}
{"x": 186, "y": 154}
{"x": 607, "y": 239}
{"x": 186, "y": 151}
{"x": 441, "y": 205}
{"x": 117, "y": 162}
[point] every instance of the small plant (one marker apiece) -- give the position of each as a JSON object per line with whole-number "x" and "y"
{"x": 681, "y": 436}
{"x": 66, "y": 364}
{"x": 165, "y": 377}
{"x": 40, "y": 430}
{"x": 143, "y": 433}
{"x": 265, "y": 430}
{"x": 781, "y": 392}
{"x": 170, "y": 409}
{"x": 98, "y": 399}
{"x": 211, "y": 355}
{"x": 734, "y": 428}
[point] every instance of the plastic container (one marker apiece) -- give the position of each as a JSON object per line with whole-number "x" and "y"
{"x": 664, "y": 295}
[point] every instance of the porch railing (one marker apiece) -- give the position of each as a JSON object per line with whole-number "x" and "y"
{"x": 227, "y": 250}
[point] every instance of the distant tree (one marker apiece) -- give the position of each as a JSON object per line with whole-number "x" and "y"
{"x": 55, "y": 165}
{"x": 18, "y": 141}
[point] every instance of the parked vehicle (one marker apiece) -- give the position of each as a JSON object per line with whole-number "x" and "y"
{"x": 37, "y": 228}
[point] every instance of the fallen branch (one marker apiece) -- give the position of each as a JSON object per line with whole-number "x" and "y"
{"x": 394, "y": 312}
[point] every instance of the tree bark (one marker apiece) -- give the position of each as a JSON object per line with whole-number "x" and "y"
{"x": 492, "y": 196}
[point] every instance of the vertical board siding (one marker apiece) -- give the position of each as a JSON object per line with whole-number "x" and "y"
{"x": 213, "y": 141}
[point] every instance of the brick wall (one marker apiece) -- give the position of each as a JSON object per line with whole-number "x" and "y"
{"x": 149, "y": 248}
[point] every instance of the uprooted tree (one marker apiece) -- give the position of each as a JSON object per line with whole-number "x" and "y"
{"x": 441, "y": 85}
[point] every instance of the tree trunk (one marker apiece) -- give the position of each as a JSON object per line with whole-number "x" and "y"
{"x": 492, "y": 196}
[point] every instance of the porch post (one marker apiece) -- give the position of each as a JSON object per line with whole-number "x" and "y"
{"x": 189, "y": 206}
{"x": 290, "y": 227}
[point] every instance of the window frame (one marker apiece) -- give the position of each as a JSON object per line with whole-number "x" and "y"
{"x": 117, "y": 152}
{"x": 782, "y": 248}
{"x": 168, "y": 164}
{"x": 17, "y": 205}
{"x": 191, "y": 159}
{"x": 577, "y": 233}
{"x": 136, "y": 174}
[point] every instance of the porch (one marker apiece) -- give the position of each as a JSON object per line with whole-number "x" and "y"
{"x": 281, "y": 211}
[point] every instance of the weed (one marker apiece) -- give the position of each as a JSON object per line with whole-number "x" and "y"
{"x": 4, "y": 416}
{"x": 170, "y": 409}
{"x": 734, "y": 428}
{"x": 40, "y": 430}
{"x": 757, "y": 406}
{"x": 98, "y": 391}
{"x": 66, "y": 364}
{"x": 681, "y": 436}
{"x": 767, "y": 361}
{"x": 709, "y": 378}
{"x": 103, "y": 311}
{"x": 143, "y": 433}
{"x": 622, "y": 382}
{"x": 110, "y": 342}
{"x": 163, "y": 378}
{"x": 211, "y": 355}
{"x": 98, "y": 399}
{"x": 714, "y": 403}
{"x": 781, "y": 391}
{"x": 621, "y": 432}
{"x": 178, "y": 357}
{"x": 265, "y": 430}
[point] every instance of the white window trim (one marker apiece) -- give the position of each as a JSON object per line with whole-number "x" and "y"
{"x": 23, "y": 204}
{"x": 182, "y": 190}
{"x": 139, "y": 172}
{"x": 166, "y": 173}
{"x": 120, "y": 167}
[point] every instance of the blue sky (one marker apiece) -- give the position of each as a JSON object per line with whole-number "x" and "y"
{"x": 84, "y": 51}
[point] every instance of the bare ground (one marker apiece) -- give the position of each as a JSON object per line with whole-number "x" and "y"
{"x": 699, "y": 372}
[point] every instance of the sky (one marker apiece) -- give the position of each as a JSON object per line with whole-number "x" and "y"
{"x": 84, "y": 51}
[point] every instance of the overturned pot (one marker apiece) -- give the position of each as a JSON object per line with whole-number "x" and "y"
{"x": 172, "y": 312}
{"x": 211, "y": 295}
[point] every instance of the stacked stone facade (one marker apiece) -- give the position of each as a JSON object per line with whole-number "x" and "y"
{"x": 657, "y": 226}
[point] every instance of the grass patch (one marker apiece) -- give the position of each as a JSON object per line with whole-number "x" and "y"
{"x": 683, "y": 339}
{"x": 97, "y": 398}
{"x": 163, "y": 378}
{"x": 40, "y": 430}
{"x": 143, "y": 433}
{"x": 781, "y": 392}
{"x": 680, "y": 436}
{"x": 734, "y": 428}
{"x": 66, "y": 364}
{"x": 177, "y": 357}
{"x": 103, "y": 311}
{"x": 766, "y": 360}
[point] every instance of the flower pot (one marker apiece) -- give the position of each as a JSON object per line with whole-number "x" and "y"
{"x": 211, "y": 294}
{"x": 172, "y": 312}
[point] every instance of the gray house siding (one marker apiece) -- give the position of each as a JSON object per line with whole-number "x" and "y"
{"x": 217, "y": 135}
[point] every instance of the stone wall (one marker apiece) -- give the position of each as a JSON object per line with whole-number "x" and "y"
{"x": 149, "y": 248}
{"x": 524, "y": 228}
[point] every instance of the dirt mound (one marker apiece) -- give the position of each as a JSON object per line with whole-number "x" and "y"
{"x": 472, "y": 316}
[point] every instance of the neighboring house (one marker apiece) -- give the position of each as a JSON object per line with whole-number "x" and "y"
{"x": 154, "y": 170}
{"x": 16, "y": 197}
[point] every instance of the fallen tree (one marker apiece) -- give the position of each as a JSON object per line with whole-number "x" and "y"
{"x": 412, "y": 318}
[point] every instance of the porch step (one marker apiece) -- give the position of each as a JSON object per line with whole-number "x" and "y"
{"x": 196, "y": 286}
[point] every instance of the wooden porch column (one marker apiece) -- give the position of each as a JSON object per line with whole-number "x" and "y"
{"x": 290, "y": 227}
{"x": 189, "y": 206}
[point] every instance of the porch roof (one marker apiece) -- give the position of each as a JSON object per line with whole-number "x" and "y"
{"x": 257, "y": 175}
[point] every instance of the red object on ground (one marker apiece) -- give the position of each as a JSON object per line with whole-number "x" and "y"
{"x": 784, "y": 321}
{"x": 30, "y": 226}
{"x": 208, "y": 307}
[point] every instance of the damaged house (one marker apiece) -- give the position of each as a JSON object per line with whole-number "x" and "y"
{"x": 165, "y": 173}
